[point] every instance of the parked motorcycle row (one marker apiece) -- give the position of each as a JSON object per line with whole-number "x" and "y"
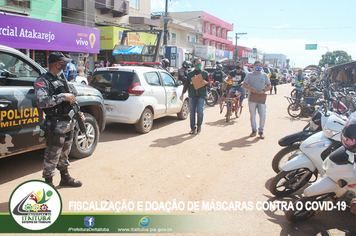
{"x": 314, "y": 93}
{"x": 321, "y": 158}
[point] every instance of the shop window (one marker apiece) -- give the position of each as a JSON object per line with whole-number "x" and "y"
{"x": 173, "y": 37}
{"x": 135, "y": 4}
{"x": 18, "y": 3}
{"x": 201, "y": 26}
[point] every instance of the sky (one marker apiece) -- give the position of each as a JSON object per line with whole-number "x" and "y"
{"x": 282, "y": 27}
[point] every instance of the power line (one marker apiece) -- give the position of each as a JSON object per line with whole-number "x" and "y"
{"x": 281, "y": 28}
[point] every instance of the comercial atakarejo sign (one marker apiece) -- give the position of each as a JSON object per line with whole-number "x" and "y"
{"x": 26, "y": 33}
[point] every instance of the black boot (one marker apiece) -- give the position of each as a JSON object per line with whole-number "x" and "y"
{"x": 49, "y": 180}
{"x": 67, "y": 180}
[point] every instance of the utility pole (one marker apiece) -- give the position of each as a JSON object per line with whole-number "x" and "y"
{"x": 236, "y": 37}
{"x": 165, "y": 33}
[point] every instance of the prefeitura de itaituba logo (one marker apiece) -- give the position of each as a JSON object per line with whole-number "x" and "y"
{"x": 35, "y": 205}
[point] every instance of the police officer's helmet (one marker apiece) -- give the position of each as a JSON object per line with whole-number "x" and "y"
{"x": 219, "y": 67}
{"x": 187, "y": 64}
{"x": 165, "y": 62}
{"x": 218, "y": 63}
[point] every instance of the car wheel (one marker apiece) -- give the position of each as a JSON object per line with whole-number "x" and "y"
{"x": 85, "y": 144}
{"x": 144, "y": 125}
{"x": 183, "y": 114}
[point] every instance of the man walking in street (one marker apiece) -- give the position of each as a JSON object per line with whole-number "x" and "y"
{"x": 258, "y": 83}
{"x": 273, "y": 77}
{"x": 196, "y": 96}
{"x": 52, "y": 97}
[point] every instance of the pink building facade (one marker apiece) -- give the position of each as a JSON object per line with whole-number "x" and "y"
{"x": 211, "y": 31}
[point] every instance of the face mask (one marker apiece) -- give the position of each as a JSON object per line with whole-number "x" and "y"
{"x": 258, "y": 68}
{"x": 238, "y": 67}
{"x": 64, "y": 66}
{"x": 198, "y": 67}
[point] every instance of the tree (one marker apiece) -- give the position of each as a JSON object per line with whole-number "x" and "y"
{"x": 334, "y": 58}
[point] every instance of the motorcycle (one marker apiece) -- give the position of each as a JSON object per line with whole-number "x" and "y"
{"x": 337, "y": 186}
{"x": 298, "y": 171}
{"x": 212, "y": 95}
{"x": 291, "y": 143}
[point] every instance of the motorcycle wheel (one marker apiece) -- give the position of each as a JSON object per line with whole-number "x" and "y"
{"x": 294, "y": 109}
{"x": 212, "y": 98}
{"x": 287, "y": 182}
{"x": 285, "y": 155}
{"x": 228, "y": 112}
{"x": 295, "y": 214}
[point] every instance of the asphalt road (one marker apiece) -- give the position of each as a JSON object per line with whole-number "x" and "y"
{"x": 222, "y": 163}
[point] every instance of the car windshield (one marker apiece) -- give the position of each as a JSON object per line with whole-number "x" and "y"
{"x": 284, "y": 71}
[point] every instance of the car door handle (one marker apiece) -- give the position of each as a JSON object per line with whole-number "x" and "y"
{"x": 4, "y": 103}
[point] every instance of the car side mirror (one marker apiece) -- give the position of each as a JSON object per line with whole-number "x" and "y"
{"x": 179, "y": 82}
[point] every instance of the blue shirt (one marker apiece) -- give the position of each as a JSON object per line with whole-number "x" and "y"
{"x": 71, "y": 72}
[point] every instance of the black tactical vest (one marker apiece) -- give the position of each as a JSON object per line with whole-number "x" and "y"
{"x": 56, "y": 87}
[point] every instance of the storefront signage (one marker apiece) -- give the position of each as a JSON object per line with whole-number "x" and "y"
{"x": 27, "y": 33}
{"x": 205, "y": 52}
{"x": 111, "y": 36}
{"x": 223, "y": 54}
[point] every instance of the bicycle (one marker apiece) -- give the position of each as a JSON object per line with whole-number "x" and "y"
{"x": 232, "y": 104}
{"x": 301, "y": 107}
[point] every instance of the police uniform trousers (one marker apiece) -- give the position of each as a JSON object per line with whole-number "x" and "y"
{"x": 56, "y": 153}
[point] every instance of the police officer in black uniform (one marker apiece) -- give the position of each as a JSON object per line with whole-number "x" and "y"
{"x": 165, "y": 64}
{"x": 183, "y": 72}
{"x": 53, "y": 98}
{"x": 218, "y": 74}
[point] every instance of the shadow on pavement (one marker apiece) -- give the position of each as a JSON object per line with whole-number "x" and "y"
{"x": 172, "y": 141}
{"x": 222, "y": 122}
{"x": 239, "y": 143}
{"x": 17, "y": 166}
{"x": 327, "y": 223}
{"x": 119, "y": 131}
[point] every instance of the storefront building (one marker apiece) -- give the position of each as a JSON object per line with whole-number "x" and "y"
{"x": 37, "y": 38}
{"x": 110, "y": 36}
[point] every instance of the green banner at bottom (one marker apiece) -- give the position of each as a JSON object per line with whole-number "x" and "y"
{"x": 116, "y": 223}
